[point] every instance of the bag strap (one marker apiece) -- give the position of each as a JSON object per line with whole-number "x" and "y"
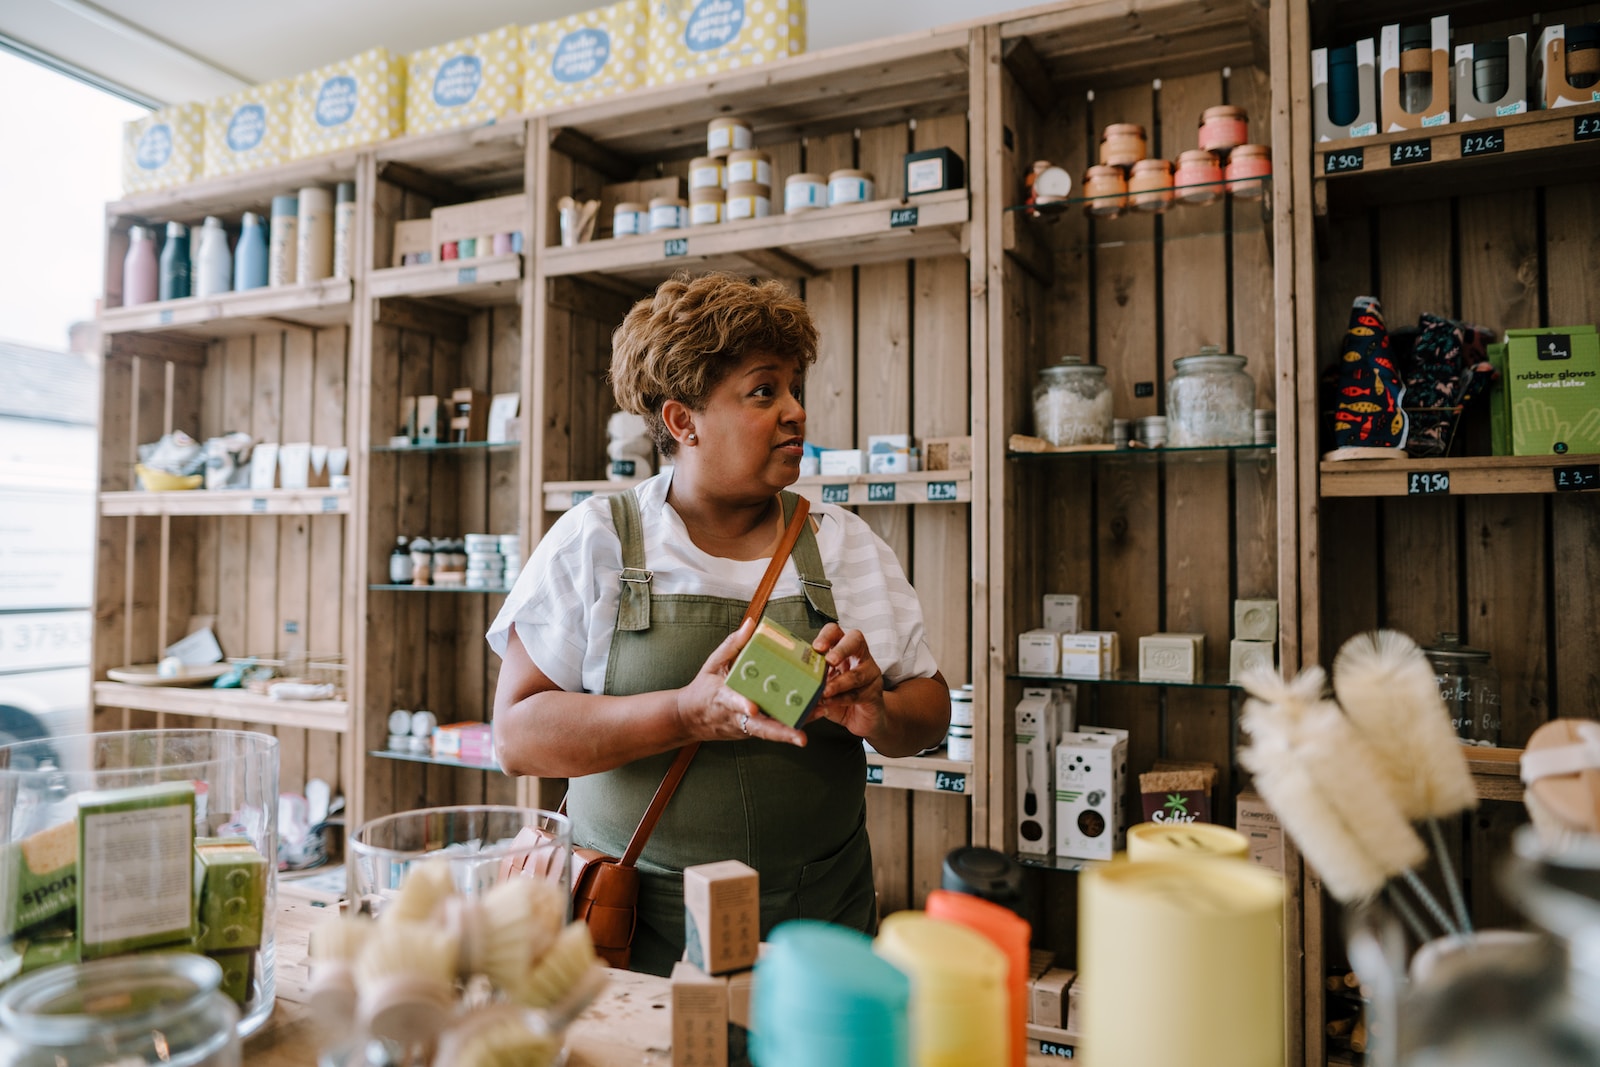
{"x": 758, "y": 605}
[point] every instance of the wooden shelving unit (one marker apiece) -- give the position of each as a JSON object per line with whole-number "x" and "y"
{"x": 222, "y": 502}
{"x": 324, "y": 303}
{"x": 226, "y": 704}
{"x": 848, "y": 490}
{"x": 481, "y": 282}
{"x": 931, "y": 774}
{"x": 1464, "y": 476}
{"x": 433, "y": 761}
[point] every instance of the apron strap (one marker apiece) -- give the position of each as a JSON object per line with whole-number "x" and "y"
{"x": 633, "y": 606}
{"x": 808, "y": 562}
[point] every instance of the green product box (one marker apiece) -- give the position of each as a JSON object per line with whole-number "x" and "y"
{"x": 135, "y": 868}
{"x": 231, "y": 887}
{"x": 38, "y": 878}
{"x": 1554, "y": 390}
{"x": 780, "y": 672}
{"x": 41, "y": 949}
{"x": 1499, "y": 406}
{"x": 237, "y": 971}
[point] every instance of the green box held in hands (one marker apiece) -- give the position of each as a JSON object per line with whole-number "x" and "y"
{"x": 780, "y": 672}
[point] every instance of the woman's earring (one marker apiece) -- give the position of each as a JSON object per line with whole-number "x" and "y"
{"x": 693, "y": 440}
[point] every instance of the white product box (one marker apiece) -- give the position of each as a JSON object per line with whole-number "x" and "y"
{"x": 837, "y": 461}
{"x": 888, "y": 442}
{"x": 1038, "y": 652}
{"x": 1090, "y": 768}
{"x": 1550, "y": 72}
{"x": 1080, "y": 654}
{"x": 1515, "y": 99}
{"x": 891, "y": 462}
{"x": 1396, "y": 118}
{"x": 1255, "y": 620}
{"x": 1365, "y": 123}
{"x": 1110, "y": 650}
{"x": 1036, "y": 747}
{"x": 1245, "y": 656}
{"x": 1061, "y": 612}
{"x": 1260, "y": 825}
{"x": 1172, "y": 657}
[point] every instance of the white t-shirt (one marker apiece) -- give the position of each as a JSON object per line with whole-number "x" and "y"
{"x": 564, "y": 604}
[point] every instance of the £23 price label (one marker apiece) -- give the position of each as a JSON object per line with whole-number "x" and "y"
{"x": 1585, "y": 127}
{"x": 1403, "y": 152}
{"x": 1427, "y": 483}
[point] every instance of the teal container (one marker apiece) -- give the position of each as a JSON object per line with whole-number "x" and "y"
{"x": 823, "y": 998}
{"x": 250, "y": 255}
{"x": 175, "y": 263}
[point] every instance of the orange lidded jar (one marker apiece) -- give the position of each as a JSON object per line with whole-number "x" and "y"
{"x": 1105, "y": 191}
{"x": 1199, "y": 177}
{"x": 1150, "y": 187}
{"x": 1223, "y": 128}
{"x": 1247, "y": 164}
{"x": 1122, "y": 145}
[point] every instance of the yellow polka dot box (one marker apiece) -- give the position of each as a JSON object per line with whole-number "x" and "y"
{"x": 690, "y": 38}
{"x": 586, "y": 56}
{"x": 249, "y": 129}
{"x": 465, "y": 83}
{"x": 163, "y": 149}
{"x": 358, "y": 101}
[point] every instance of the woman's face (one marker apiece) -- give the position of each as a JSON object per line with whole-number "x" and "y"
{"x": 752, "y": 429}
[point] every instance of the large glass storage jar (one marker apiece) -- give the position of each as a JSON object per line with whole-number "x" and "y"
{"x": 158, "y": 1008}
{"x": 1470, "y": 687}
{"x": 1210, "y": 401}
{"x": 1072, "y": 404}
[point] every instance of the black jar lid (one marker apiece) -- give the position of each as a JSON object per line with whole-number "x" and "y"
{"x": 1418, "y": 36}
{"x": 1586, "y": 35}
{"x": 983, "y": 873}
{"x": 1491, "y": 50}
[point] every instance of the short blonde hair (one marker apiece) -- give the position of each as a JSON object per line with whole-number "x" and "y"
{"x": 682, "y": 342}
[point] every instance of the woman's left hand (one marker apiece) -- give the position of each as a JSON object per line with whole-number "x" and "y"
{"x": 852, "y": 691}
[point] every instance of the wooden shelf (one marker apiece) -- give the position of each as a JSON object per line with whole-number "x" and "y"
{"x": 1496, "y": 772}
{"x": 928, "y": 774}
{"x": 436, "y": 761}
{"x": 1468, "y": 475}
{"x": 494, "y": 591}
{"x": 846, "y": 490}
{"x": 1051, "y": 1035}
{"x": 1530, "y": 149}
{"x": 484, "y": 281}
{"x": 449, "y": 448}
{"x": 234, "y": 194}
{"x": 799, "y": 245}
{"x": 228, "y": 502}
{"x": 324, "y": 303}
{"x": 1209, "y": 680}
{"x": 234, "y": 704}
{"x": 457, "y": 163}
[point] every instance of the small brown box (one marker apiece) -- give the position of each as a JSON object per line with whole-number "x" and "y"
{"x": 947, "y": 454}
{"x": 1040, "y": 960}
{"x": 740, "y": 986}
{"x": 427, "y": 420}
{"x": 413, "y": 237}
{"x": 699, "y": 1017}
{"x": 469, "y": 415}
{"x": 722, "y": 916}
{"x": 1048, "y": 998}
{"x": 1074, "y": 1009}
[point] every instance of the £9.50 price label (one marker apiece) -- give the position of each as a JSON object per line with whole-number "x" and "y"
{"x": 1427, "y": 483}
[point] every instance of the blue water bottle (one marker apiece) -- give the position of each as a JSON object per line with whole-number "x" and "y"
{"x": 175, "y": 268}
{"x": 250, "y": 256}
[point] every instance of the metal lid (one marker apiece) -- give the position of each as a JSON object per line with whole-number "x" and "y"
{"x": 1071, "y": 367}
{"x": 983, "y": 873}
{"x": 1419, "y": 35}
{"x": 1209, "y": 356}
{"x": 1491, "y": 50}
{"x": 1449, "y": 646}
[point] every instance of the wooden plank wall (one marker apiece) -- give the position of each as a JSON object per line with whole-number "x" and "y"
{"x": 893, "y": 358}
{"x": 1150, "y": 545}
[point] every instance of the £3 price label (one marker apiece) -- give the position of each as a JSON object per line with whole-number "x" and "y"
{"x": 1404, "y": 152}
{"x": 1577, "y": 478}
{"x": 1427, "y": 483}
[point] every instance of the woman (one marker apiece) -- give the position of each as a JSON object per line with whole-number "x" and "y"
{"x": 616, "y": 645}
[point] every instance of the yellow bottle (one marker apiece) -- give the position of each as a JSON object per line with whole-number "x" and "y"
{"x": 958, "y": 990}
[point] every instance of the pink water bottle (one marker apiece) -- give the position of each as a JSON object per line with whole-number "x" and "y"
{"x": 140, "y": 272}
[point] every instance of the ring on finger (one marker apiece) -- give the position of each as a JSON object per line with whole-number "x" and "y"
{"x": 744, "y": 722}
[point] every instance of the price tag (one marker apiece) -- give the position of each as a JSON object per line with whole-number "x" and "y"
{"x": 949, "y": 782}
{"x": 623, "y": 468}
{"x": 258, "y": 505}
{"x": 1585, "y": 127}
{"x": 1483, "y": 143}
{"x": 330, "y": 503}
{"x": 1343, "y": 162}
{"x": 836, "y": 494}
{"x": 880, "y": 492}
{"x": 902, "y": 216}
{"x": 1050, "y": 1048}
{"x": 1576, "y": 479}
{"x": 1404, "y": 152}
{"x": 579, "y": 496}
{"x": 941, "y": 491}
{"x": 164, "y": 317}
{"x": 874, "y": 775}
{"x": 1427, "y": 483}
{"x": 675, "y": 246}
{"x": 466, "y": 275}
{"x": 1143, "y": 389}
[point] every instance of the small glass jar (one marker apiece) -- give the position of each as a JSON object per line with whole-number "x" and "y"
{"x": 1072, "y": 404}
{"x": 1223, "y": 128}
{"x": 1470, "y": 687}
{"x": 1199, "y": 178}
{"x": 961, "y": 706}
{"x": 158, "y": 1008}
{"x": 1210, "y": 401}
{"x": 1122, "y": 145}
{"x": 1150, "y": 187}
{"x": 1247, "y": 164}
{"x": 1105, "y": 192}
{"x": 629, "y": 219}
{"x": 850, "y": 187}
{"x": 667, "y": 213}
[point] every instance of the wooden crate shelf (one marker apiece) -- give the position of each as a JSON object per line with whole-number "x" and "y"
{"x": 931, "y": 774}
{"x": 228, "y": 502}
{"x": 1496, "y": 772}
{"x": 486, "y": 281}
{"x": 846, "y": 490}
{"x": 799, "y": 245}
{"x": 227, "y": 704}
{"x": 457, "y": 163}
{"x": 235, "y": 194}
{"x": 323, "y": 303}
{"x": 1468, "y": 475}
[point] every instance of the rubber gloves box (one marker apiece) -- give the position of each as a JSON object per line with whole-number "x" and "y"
{"x": 163, "y": 149}
{"x": 348, "y": 104}
{"x": 690, "y": 38}
{"x": 587, "y": 56}
{"x": 249, "y": 129}
{"x": 1554, "y": 390}
{"x": 470, "y": 82}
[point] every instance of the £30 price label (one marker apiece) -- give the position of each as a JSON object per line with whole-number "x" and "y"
{"x": 1427, "y": 483}
{"x": 1344, "y": 161}
{"x": 1404, "y": 152}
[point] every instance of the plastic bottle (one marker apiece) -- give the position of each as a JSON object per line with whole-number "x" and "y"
{"x": 139, "y": 269}
{"x": 400, "y": 562}
{"x": 214, "y": 273}
{"x": 1009, "y": 933}
{"x": 344, "y": 228}
{"x": 283, "y": 241}
{"x": 174, "y": 282}
{"x": 250, "y": 257}
{"x": 314, "y": 229}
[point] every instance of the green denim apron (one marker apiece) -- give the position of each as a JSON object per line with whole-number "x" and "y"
{"x": 798, "y": 816}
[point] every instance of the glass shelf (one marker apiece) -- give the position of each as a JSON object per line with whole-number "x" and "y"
{"x": 1147, "y": 454}
{"x": 437, "y": 761}
{"x": 1058, "y": 207}
{"x": 1058, "y": 863}
{"x": 437, "y": 589}
{"x": 1210, "y": 680}
{"x": 452, "y": 446}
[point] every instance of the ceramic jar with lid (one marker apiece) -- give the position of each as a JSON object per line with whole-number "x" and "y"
{"x": 747, "y": 200}
{"x": 1199, "y": 178}
{"x": 1223, "y": 128}
{"x": 706, "y": 205}
{"x": 630, "y": 218}
{"x": 1072, "y": 404}
{"x": 1105, "y": 192}
{"x": 707, "y": 172}
{"x": 1247, "y": 164}
{"x": 1470, "y": 687}
{"x": 850, "y": 187}
{"x": 1150, "y": 186}
{"x": 749, "y": 165}
{"x": 804, "y": 192}
{"x": 1122, "y": 145}
{"x": 667, "y": 213}
{"x": 1210, "y": 401}
{"x": 724, "y": 135}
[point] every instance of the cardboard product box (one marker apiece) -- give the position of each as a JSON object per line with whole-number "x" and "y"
{"x": 1260, "y": 825}
{"x": 470, "y": 82}
{"x": 349, "y": 104}
{"x": 1110, "y": 649}
{"x": 892, "y": 462}
{"x": 1550, "y": 73}
{"x": 1090, "y": 767}
{"x": 1365, "y": 121}
{"x": 469, "y": 415}
{"x": 741, "y": 985}
{"x": 1036, "y": 733}
{"x": 412, "y": 237}
{"x": 163, "y": 149}
{"x": 1396, "y": 119}
{"x": 1061, "y": 612}
{"x": 722, "y": 916}
{"x": 231, "y": 883}
{"x": 1039, "y": 652}
{"x": 780, "y": 672}
{"x": 1255, "y": 620}
{"x": 475, "y": 218}
{"x": 1075, "y": 1005}
{"x": 135, "y": 868}
{"x": 838, "y": 462}
{"x": 1177, "y": 795}
{"x": 39, "y": 876}
{"x": 1246, "y": 656}
{"x": 428, "y": 420}
{"x": 593, "y": 54}
{"x": 699, "y": 1017}
{"x": 1171, "y": 657}
{"x": 36, "y": 951}
{"x": 1554, "y": 390}
{"x": 1047, "y": 998}
{"x": 690, "y": 38}
{"x": 249, "y": 129}
{"x": 947, "y": 454}
{"x": 1080, "y": 655}
{"x": 1514, "y": 101}
{"x": 1040, "y": 960}
{"x": 1499, "y": 403}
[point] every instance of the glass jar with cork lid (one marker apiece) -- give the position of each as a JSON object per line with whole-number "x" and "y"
{"x": 1072, "y": 404}
{"x": 1210, "y": 401}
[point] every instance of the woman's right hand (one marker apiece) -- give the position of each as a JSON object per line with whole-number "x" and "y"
{"x": 710, "y": 711}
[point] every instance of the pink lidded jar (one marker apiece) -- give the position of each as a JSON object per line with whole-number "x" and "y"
{"x": 1199, "y": 177}
{"x": 1223, "y": 128}
{"x": 1247, "y": 162}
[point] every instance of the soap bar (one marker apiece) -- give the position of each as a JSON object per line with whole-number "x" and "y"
{"x": 40, "y": 877}
{"x": 1255, "y": 620}
{"x": 781, "y": 673}
{"x": 135, "y": 868}
{"x": 232, "y": 880}
{"x": 238, "y": 968}
{"x": 1246, "y": 656}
